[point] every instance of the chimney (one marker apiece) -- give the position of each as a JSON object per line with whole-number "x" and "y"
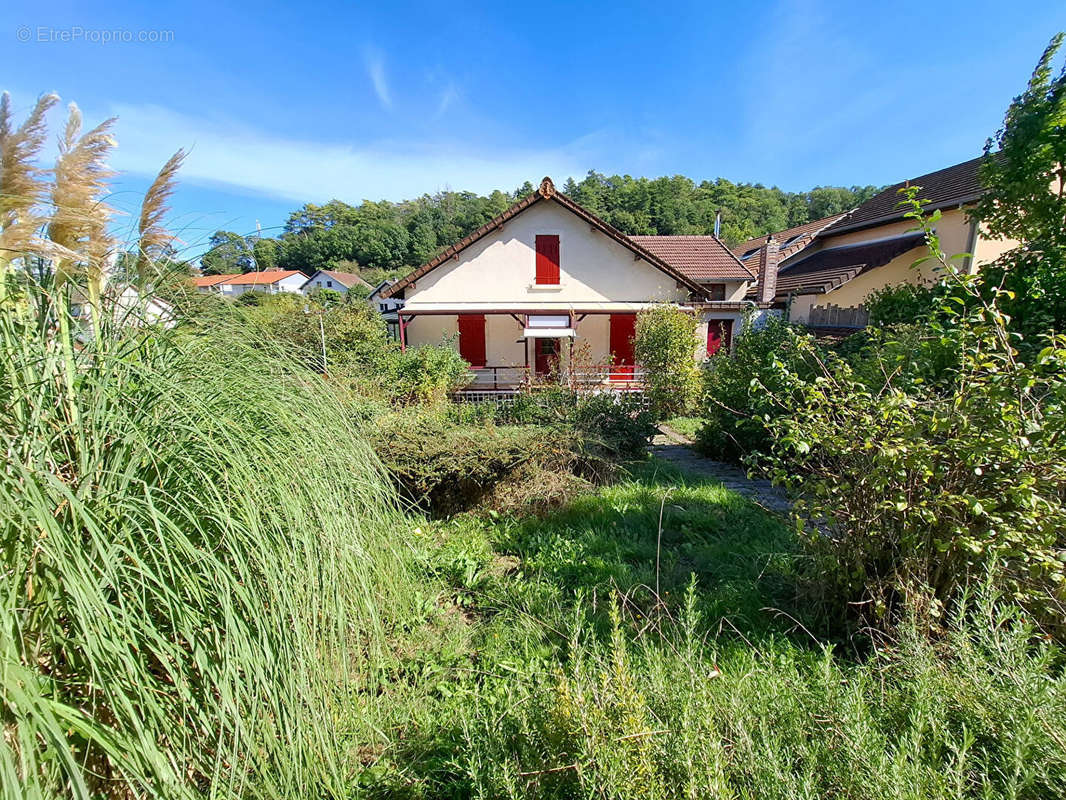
{"x": 718, "y": 224}
{"x": 768, "y": 270}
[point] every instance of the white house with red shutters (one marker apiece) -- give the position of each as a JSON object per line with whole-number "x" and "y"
{"x": 547, "y": 289}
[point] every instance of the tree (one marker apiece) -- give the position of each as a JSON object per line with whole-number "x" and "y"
{"x": 665, "y": 346}
{"x": 1024, "y": 174}
{"x": 265, "y": 252}
{"x": 227, "y": 253}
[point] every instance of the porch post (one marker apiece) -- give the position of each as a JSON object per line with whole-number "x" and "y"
{"x": 403, "y": 332}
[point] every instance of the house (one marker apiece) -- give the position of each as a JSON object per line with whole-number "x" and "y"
{"x": 211, "y": 283}
{"x": 271, "y": 281}
{"x": 337, "y": 281}
{"x": 825, "y": 283}
{"x": 388, "y": 307}
{"x": 791, "y": 240}
{"x": 547, "y": 288}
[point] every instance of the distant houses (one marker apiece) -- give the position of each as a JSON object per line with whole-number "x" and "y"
{"x": 272, "y": 281}
{"x": 337, "y": 281}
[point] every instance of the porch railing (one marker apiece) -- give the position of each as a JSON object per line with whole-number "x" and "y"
{"x": 500, "y": 377}
{"x": 831, "y": 316}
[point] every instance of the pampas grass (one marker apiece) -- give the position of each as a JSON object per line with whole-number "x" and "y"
{"x": 198, "y": 563}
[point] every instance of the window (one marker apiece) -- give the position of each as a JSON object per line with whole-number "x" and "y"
{"x": 383, "y": 306}
{"x": 329, "y": 284}
{"x": 716, "y": 291}
{"x": 547, "y": 260}
{"x": 750, "y": 253}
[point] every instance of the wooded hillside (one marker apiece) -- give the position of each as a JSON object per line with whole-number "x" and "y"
{"x": 382, "y": 238}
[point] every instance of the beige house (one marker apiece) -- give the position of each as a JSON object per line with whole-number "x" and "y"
{"x": 548, "y": 289}
{"x": 825, "y": 282}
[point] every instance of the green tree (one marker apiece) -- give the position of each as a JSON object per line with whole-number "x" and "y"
{"x": 665, "y": 346}
{"x": 265, "y": 252}
{"x": 1024, "y": 173}
{"x": 227, "y": 253}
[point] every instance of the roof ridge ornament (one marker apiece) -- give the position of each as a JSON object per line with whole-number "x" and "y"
{"x": 547, "y": 188}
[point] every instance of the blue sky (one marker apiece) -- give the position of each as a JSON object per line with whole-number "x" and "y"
{"x": 287, "y": 103}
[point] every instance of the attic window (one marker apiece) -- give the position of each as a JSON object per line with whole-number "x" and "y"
{"x": 791, "y": 239}
{"x": 750, "y": 253}
{"x": 715, "y": 291}
{"x": 547, "y": 267}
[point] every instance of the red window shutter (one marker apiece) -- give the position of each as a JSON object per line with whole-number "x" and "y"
{"x": 547, "y": 260}
{"x": 472, "y": 338}
{"x": 623, "y": 328}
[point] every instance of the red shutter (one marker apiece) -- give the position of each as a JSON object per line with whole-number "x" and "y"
{"x": 719, "y": 332}
{"x": 472, "y": 338}
{"x": 547, "y": 260}
{"x": 623, "y": 328}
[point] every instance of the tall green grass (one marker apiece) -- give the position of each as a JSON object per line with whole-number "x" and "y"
{"x": 198, "y": 564}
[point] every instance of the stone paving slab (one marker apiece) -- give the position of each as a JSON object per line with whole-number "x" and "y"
{"x": 672, "y": 447}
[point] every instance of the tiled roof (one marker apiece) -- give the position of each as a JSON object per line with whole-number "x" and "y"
{"x": 263, "y": 278}
{"x": 951, "y": 186}
{"x": 211, "y": 280}
{"x": 702, "y": 258}
{"x": 791, "y": 240}
{"x": 545, "y": 192}
{"x": 827, "y": 269}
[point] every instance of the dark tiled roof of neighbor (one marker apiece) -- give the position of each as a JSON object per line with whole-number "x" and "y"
{"x": 791, "y": 240}
{"x": 702, "y": 258}
{"x": 827, "y": 269}
{"x": 945, "y": 187}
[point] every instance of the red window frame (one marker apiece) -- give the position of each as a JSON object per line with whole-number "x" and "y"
{"x": 547, "y": 268}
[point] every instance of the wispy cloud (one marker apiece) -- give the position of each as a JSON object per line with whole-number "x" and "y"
{"x": 375, "y": 68}
{"x": 448, "y": 96}
{"x": 233, "y": 155}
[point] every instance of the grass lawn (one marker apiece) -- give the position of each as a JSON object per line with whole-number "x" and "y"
{"x": 688, "y": 426}
{"x": 551, "y": 667}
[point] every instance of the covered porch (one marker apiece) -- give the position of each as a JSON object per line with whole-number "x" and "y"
{"x": 588, "y": 347}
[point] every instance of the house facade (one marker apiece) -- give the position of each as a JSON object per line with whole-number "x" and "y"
{"x": 547, "y": 288}
{"x": 271, "y": 281}
{"x": 335, "y": 281}
{"x": 826, "y": 282}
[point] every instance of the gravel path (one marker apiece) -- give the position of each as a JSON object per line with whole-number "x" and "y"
{"x": 673, "y": 447}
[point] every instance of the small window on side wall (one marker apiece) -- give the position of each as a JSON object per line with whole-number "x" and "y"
{"x": 547, "y": 269}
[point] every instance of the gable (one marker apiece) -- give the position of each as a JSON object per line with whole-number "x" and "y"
{"x": 500, "y": 266}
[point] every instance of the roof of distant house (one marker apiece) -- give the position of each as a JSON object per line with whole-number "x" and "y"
{"x": 952, "y": 186}
{"x": 702, "y": 258}
{"x": 790, "y": 241}
{"x": 264, "y": 278}
{"x": 345, "y": 279}
{"x": 211, "y": 280}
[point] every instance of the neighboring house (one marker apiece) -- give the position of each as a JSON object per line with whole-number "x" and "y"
{"x": 331, "y": 279}
{"x": 211, "y": 283}
{"x": 388, "y": 307}
{"x": 790, "y": 241}
{"x": 271, "y": 281}
{"x": 547, "y": 283}
{"x": 826, "y": 282}
{"x": 126, "y": 307}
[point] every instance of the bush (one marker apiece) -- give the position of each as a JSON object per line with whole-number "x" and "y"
{"x": 902, "y": 304}
{"x": 747, "y": 388}
{"x": 665, "y": 347}
{"x": 926, "y": 487}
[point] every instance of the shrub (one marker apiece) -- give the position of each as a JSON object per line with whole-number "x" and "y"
{"x": 747, "y": 388}
{"x": 922, "y": 487}
{"x": 665, "y": 346}
{"x": 425, "y": 374}
{"x": 901, "y": 304}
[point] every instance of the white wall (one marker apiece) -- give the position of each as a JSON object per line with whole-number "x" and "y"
{"x": 501, "y": 267}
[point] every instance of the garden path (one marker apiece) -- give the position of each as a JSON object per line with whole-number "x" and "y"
{"x": 674, "y": 448}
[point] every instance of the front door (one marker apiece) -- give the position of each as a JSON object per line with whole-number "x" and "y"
{"x": 719, "y": 333}
{"x": 546, "y": 356}
{"x": 623, "y": 328}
